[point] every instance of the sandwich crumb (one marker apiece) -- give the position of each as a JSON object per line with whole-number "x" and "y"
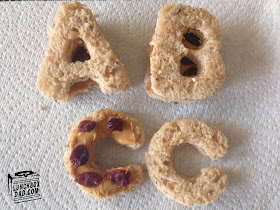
{"x": 41, "y": 108}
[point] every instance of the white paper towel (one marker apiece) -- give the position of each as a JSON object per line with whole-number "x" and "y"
{"x": 246, "y": 109}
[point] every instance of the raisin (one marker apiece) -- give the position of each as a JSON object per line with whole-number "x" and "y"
{"x": 81, "y": 54}
{"x": 89, "y": 179}
{"x": 86, "y": 126}
{"x": 115, "y": 124}
{"x": 186, "y": 61}
{"x": 190, "y": 72}
{"x": 192, "y": 39}
{"x": 79, "y": 155}
{"x": 120, "y": 177}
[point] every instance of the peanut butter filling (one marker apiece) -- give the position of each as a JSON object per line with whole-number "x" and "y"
{"x": 106, "y": 188}
{"x": 81, "y": 86}
{"x": 89, "y": 139}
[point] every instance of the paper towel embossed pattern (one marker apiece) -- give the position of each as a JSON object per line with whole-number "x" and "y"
{"x": 183, "y": 32}
{"x": 199, "y": 190}
{"x": 103, "y": 183}
{"x": 246, "y": 109}
{"x": 67, "y": 68}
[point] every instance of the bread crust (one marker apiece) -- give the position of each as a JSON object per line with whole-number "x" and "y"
{"x": 190, "y": 191}
{"x": 75, "y": 25}
{"x": 163, "y": 79}
{"x": 105, "y": 189}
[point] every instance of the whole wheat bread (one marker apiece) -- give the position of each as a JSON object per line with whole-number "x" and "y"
{"x": 198, "y": 190}
{"x": 59, "y": 77}
{"x": 163, "y": 78}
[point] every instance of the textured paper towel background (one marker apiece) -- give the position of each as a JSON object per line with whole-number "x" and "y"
{"x": 246, "y": 109}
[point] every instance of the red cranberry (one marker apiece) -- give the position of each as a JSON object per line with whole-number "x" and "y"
{"x": 192, "y": 39}
{"x": 86, "y": 126}
{"x": 186, "y": 61}
{"x": 89, "y": 179}
{"x": 79, "y": 155}
{"x": 190, "y": 72}
{"x": 115, "y": 124}
{"x": 120, "y": 177}
{"x": 80, "y": 54}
